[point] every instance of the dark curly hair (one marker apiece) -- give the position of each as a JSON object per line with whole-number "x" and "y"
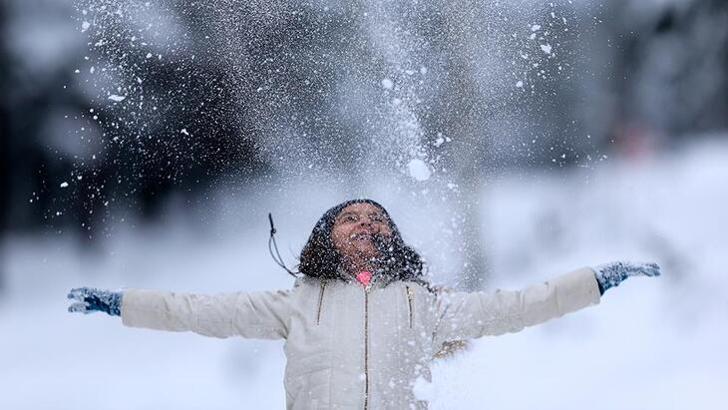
{"x": 320, "y": 259}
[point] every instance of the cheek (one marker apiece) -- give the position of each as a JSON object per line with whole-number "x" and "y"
{"x": 338, "y": 239}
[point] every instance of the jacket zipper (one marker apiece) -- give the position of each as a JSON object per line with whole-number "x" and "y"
{"x": 320, "y": 302}
{"x": 366, "y": 348}
{"x": 410, "y": 303}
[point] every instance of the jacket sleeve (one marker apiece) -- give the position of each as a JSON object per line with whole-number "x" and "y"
{"x": 464, "y": 315}
{"x": 260, "y": 315}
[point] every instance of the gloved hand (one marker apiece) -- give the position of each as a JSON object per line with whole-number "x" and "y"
{"x": 613, "y": 273}
{"x": 88, "y": 300}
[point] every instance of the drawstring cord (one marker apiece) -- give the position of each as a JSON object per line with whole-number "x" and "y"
{"x": 272, "y": 245}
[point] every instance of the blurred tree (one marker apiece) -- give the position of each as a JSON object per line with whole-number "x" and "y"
{"x": 4, "y": 128}
{"x": 63, "y": 130}
{"x": 670, "y": 69}
{"x": 6, "y": 196}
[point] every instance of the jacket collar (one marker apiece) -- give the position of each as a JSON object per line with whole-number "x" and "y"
{"x": 379, "y": 279}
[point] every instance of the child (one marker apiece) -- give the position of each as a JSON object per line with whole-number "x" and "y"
{"x": 361, "y": 324}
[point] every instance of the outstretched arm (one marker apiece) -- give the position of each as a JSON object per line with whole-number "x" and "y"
{"x": 464, "y": 315}
{"x": 261, "y": 315}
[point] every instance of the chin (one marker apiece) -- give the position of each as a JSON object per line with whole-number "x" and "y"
{"x": 367, "y": 252}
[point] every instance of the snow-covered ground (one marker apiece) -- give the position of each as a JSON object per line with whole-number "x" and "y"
{"x": 651, "y": 343}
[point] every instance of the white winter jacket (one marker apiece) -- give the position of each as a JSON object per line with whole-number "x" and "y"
{"x": 350, "y": 347}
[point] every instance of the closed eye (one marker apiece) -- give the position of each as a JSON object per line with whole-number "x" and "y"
{"x": 349, "y": 217}
{"x": 376, "y": 217}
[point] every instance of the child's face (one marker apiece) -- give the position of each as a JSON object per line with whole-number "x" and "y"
{"x": 355, "y": 228}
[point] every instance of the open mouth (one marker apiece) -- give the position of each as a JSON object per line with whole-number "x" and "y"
{"x": 361, "y": 236}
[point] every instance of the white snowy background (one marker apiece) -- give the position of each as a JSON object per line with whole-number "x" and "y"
{"x": 532, "y": 141}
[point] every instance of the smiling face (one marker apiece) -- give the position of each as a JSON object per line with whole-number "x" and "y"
{"x": 354, "y": 230}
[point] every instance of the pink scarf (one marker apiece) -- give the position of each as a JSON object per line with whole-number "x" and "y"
{"x": 365, "y": 277}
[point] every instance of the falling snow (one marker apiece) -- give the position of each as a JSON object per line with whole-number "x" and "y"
{"x": 418, "y": 170}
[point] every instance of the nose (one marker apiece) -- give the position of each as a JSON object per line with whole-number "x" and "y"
{"x": 365, "y": 221}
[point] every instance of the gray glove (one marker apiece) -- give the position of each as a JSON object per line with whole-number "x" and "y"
{"x": 613, "y": 273}
{"x": 88, "y": 300}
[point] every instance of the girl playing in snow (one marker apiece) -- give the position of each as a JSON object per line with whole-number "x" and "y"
{"x": 361, "y": 324}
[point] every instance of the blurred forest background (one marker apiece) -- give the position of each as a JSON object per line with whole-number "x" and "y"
{"x": 126, "y": 104}
{"x": 117, "y": 116}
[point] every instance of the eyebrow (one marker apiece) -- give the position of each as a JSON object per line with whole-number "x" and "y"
{"x": 343, "y": 214}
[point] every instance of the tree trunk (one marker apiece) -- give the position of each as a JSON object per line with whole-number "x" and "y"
{"x": 4, "y": 147}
